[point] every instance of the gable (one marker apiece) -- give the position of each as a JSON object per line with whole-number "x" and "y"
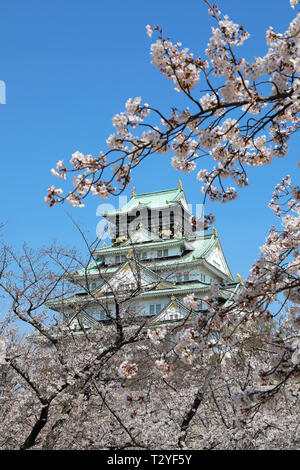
{"x": 79, "y": 320}
{"x": 142, "y": 235}
{"x": 217, "y": 259}
{"x": 130, "y": 277}
{"x": 173, "y": 311}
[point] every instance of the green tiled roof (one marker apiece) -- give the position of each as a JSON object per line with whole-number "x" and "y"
{"x": 183, "y": 289}
{"x": 196, "y": 286}
{"x": 125, "y": 246}
{"x": 202, "y": 246}
{"x": 152, "y": 200}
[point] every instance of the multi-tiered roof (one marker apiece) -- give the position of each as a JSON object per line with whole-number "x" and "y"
{"x": 157, "y": 256}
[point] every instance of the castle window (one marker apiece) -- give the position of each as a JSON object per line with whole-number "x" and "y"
{"x": 202, "y": 277}
{"x": 149, "y": 220}
{"x": 162, "y": 253}
{"x": 186, "y": 276}
{"x": 160, "y": 226}
{"x": 174, "y": 316}
{"x": 128, "y": 287}
{"x": 117, "y": 225}
{"x": 172, "y": 224}
{"x": 120, "y": 259}
{"x": 154, "y": 308}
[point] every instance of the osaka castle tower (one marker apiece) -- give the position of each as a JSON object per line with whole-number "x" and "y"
{"x": 157, "y": 256}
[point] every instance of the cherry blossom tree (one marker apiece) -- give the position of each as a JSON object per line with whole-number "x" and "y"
{"x": 224, "y": 378}
{"x": 238, "y": 114}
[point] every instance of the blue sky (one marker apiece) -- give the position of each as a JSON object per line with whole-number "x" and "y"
{"x": 69, "y": 66}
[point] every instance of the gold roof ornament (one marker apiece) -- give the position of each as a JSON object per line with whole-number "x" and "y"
{"x": 133, "y": 191}
{"x": 215, "y": 232}
{"x": 180, "y": 185}
{"x": 103, "y": 245}
{"x": 240, "y": 279}
{"x": 173, "y": 297}
{"x": 129, "y": 254}
{"x": 161, "y": 286}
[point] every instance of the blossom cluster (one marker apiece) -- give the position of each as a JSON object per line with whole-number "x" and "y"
{"x": 190, "y": 301}
{"x": 157, "y": 335}
{"x": 164, "y": 369}
{"x": 187, "y": 346}
{"x": 127, "y": 370}
{"x": 177, "y": 64}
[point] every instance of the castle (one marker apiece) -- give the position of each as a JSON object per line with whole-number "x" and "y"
{"x": 157, "y": 256}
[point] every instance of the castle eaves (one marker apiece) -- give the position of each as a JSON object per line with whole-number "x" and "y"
{"x": 153, "y": 200}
